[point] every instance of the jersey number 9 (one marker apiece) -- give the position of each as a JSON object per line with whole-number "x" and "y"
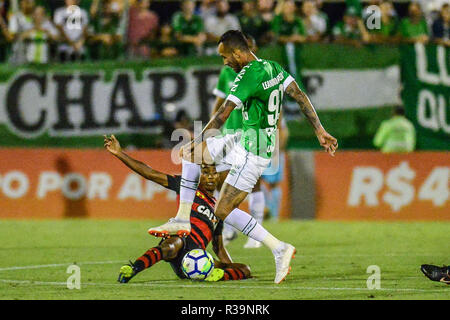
{"x": 275, "y": 100}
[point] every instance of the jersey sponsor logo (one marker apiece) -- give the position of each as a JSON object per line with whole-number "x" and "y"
{"x": 273, "y": 82}
{"x": 204, "y": 210}
{"x": 207, "y": 212}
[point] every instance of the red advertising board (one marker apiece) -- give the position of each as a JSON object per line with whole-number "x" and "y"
{"x": 63, "y": 183}
{"x": 376, "y": 186}
{"x": 92, "y": 183}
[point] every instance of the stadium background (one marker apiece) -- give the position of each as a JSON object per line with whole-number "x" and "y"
{"x": 63, "y": 109}
{"x": 53, "y": 117}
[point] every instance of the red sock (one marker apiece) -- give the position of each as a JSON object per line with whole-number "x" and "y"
{"x": 233, "y": 274}
{"x": 148, "y": 259}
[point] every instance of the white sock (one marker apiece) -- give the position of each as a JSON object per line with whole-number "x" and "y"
{"x": 257, "y": 204}
{"x": 184, "y": 211}
{"x": 228, "y": 229}
{"x": 271, "y": 242}
{"x": 245, "y": 223}
{"x": 188, "y": 187}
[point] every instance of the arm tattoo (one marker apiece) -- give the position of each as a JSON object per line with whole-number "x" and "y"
{"x": 221, "y": 115}
{"x": 218, "y": 119}
{"x": 305, "y": 104}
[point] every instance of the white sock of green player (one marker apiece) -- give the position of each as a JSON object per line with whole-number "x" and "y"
{"x": 257, "y": 204}
{"x": 248, "y": 225}
{"x": 190, "y": 176}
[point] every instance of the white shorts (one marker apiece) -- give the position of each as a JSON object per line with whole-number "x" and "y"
{"x": 228, "y": 154}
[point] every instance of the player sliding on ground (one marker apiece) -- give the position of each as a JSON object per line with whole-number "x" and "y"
{"x": 204, "y": 224}
{"x": 258, "y": 91}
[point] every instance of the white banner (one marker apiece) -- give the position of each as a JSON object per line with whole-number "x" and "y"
{"x": 84, "y": 103}
{"x": 353, "y": 89}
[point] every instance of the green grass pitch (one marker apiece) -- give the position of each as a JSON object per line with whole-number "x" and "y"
{"x": 331, "y": 261}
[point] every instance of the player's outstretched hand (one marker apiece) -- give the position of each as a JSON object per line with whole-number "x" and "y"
{"x": 327, "y": 141}
{"x": 112, "y": 144}
{"x": 187, "y": 150}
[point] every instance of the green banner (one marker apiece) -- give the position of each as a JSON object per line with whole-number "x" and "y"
{"x": 353, "y": 89}
{"x": 426, "y": 93}
{"x": 74, "y": 105}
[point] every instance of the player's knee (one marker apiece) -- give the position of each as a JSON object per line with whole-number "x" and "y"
{"x": 170, "y": 248}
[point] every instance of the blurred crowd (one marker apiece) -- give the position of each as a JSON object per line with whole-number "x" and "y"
{"x": 40, "y": 31}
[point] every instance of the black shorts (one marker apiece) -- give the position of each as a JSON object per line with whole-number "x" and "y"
{"x": 188, "y": 245}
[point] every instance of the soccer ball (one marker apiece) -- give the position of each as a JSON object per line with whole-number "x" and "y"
{"x": 197, "y": 264}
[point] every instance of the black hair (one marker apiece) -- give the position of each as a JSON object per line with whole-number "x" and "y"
{"x": 399, "y": 110}
{"x": 234, "y": 39}
{"x": 180, "y": 115}
{"x": 250, "y": 39}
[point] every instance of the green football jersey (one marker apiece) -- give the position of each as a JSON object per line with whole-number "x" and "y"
{"x": 396, "y": 135}
{"x": 408, "y": 29}
{"x": 258, "y": 90}
{"x": 188, "y": 28}
{"x": 387, "y": 29}
{"x": 282, "y": 27}
{"x": 226, "y": 80}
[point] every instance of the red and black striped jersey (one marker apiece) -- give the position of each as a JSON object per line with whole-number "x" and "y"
{"x": 204, "y": 224}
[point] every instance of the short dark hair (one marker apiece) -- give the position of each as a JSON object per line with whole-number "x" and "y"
{"x": 250, "y": 40}
{"x": 234, "y": 39}
{"x": 399, "y": 110}
{"x": 181, "y": 115}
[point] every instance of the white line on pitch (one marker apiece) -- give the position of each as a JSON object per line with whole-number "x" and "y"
{"x": 165, "y": 284}
{"x": 355, "y": 255}
{"x": 221, "y": 286}
{"x": 55, "y": 265}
